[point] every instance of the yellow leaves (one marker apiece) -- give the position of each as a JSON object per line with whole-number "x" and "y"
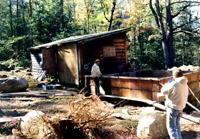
{"x": 136, "y": 10}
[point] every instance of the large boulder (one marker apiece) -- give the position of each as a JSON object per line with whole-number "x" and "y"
{"x": 36, "y": 125}
{"x": 13, "y": 84}
{"x": 152, "y": 124}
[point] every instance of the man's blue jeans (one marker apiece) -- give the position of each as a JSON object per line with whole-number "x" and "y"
{"x": 173, "y": 123}
{"x": 97, "y": 85}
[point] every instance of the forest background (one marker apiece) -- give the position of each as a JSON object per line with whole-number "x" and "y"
{"x": 164, "y": 33}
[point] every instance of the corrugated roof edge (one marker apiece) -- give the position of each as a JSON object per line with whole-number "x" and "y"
{"x": 87, "y": 37}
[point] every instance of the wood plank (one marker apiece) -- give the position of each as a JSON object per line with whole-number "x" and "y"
{"x": 24, "y": 95}
{"x": 156, "y": 105}
{"x": 119, "y": 47}
{"x": 141, "y": 94}
{"x": 19, "y": 99}
{"x": 118, "y": 40}
{"x": 192, "y": 106}
{"x": 35, "y": 94}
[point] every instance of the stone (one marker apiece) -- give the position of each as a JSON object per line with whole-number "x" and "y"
{"x": 36, "y": 125}
{"x": 152, "y": 124}
{"x": 13, "y": 84}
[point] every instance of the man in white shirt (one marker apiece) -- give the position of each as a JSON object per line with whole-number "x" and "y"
{"x": 176, "y": 94}
{"x": 96, "y": 73}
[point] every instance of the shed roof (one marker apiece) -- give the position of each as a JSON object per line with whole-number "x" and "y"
{"x": 83, "y": 38}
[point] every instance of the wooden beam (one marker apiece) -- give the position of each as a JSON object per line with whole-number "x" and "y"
{"x": 9, "y": 119}
{"x": 19, "y": 99}
{"x": 192, "y": 106}
{"x": 35, "y": 94}
{"x": 190, "y": 90}
{"x": 25, "y": 94}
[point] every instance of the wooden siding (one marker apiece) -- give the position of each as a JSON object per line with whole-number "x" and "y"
{"x": 120, "y": 45}
{"x": 88, "y": 52}
{"x": 68, "y": 64}
{"x": 36, "y": 59}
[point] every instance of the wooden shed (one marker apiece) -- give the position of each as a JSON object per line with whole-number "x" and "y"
{"x": 72, "y": 58}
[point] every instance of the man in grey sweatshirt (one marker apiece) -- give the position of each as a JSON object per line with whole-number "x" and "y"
{"x": 176, "y": 94}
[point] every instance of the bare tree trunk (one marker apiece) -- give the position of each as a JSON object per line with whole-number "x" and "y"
{"x": 112, "y": 14}
{"x": 31, "y": 8}
{"x": 89, "y": 6}
{"x": 166, "y": 32}
{"x": 17, "y": 12}
{"x": 88, "y": 22}
{"x": 23, "y": 16}
{"x": 170, "y": 36}
{"x": 62, "y": 14}
{"x": 140, "y": 38}
{"x": 31, "y": 14}
{"x": 17, "y": 19}
{"x": 11, "y": 20}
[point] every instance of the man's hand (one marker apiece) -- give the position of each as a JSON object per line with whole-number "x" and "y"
{"x": 100, "y": 82}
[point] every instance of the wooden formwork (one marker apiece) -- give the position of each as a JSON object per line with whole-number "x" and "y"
{"x": 194, "y": 84}
{"x": 142, "y": 87}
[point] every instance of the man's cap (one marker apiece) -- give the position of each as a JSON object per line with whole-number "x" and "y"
{"x": 177, "y": 73}
{"x": 97, "y": 60}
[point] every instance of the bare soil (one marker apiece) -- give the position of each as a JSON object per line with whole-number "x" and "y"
{"x": 58, "y": 106}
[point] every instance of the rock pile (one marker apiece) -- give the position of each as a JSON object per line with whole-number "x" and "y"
{"x": 152, "y": 124}
{"x": 186, "y": 68}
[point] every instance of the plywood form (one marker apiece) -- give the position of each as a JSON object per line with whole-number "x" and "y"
{"x": 132, "y": 84}
{"x": 68, "y": 64}
{"x": 194, "y": 76}
{"x": 135, "y": 87}
{"x": 142, "y": 94}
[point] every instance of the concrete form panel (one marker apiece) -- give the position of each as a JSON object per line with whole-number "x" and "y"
{"x": 68, "y": 64}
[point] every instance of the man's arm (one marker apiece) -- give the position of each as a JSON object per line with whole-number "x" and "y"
{"x": 167, "y": 88}
{"x": 99, "y": 72}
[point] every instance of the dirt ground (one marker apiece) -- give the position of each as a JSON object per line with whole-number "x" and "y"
{"x": 52, "y": 105}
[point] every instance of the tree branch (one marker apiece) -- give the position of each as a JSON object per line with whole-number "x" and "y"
{"x": 180, "y": 26}
{"x": 160, "y": 18}
{"x": 112, "y": 14}
{"x": 187, "y": 32}
{"x": 183, "y": 9}
{"x": 154, "y": 13}
{"x": 179, "y": 2}
{"x": 104, "y": 12}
